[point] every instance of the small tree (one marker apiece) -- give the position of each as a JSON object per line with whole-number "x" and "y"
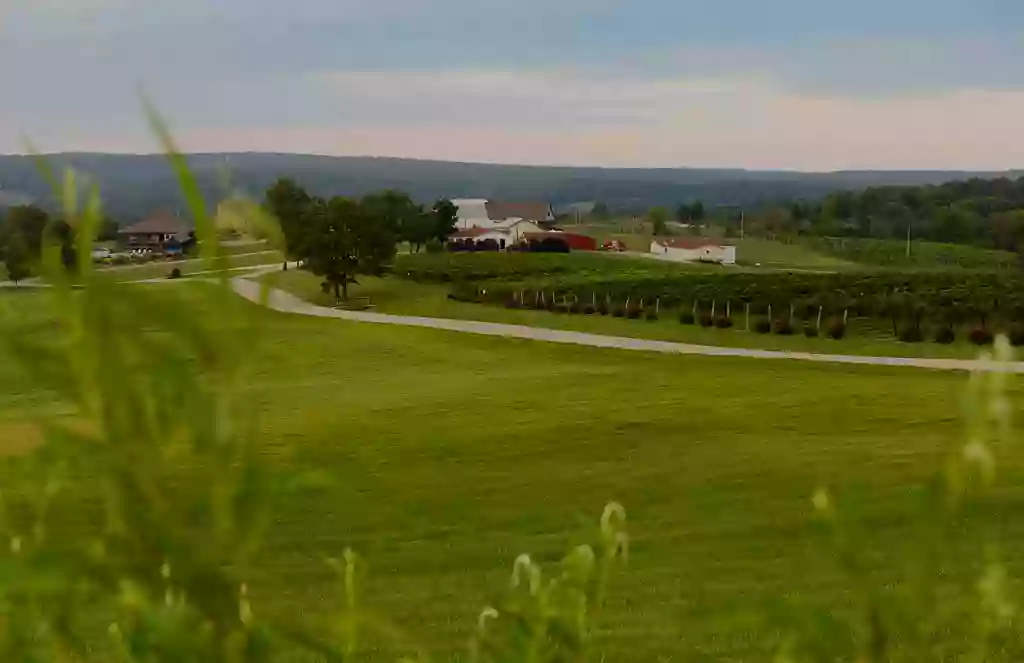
{"x": 17, "y": 257}
{"x": 343, "y": 240}
{"x": 658, "y": 217}
{"x": 445, "y": 217}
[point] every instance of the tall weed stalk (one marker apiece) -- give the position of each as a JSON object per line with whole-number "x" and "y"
{"x": 129, "y": 532}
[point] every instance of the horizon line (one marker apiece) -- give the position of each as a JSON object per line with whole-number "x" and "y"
{"x": 733, "y": 169}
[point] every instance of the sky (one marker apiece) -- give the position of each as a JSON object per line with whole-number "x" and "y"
{"x": 794, "y": 84}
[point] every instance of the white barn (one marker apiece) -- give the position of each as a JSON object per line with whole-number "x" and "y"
{"x": 694, "y": 249}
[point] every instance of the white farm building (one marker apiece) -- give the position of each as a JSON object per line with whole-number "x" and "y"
{"x": 694, "y": 249}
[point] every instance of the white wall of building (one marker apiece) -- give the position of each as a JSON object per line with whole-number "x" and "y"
{"x": 472, "y": 213}
{"x": 725, "y": 255}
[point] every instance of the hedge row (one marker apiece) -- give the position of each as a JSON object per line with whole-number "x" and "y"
{"x": 834, "y": 327}
{"x": 951, "y": 298}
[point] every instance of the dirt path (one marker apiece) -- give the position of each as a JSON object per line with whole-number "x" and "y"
{"x": 284, "y": 302}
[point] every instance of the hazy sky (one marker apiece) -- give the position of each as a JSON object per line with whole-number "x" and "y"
{"x": 809, "y": 84}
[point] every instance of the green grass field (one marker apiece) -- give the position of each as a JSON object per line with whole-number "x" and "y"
{"x": 769, "y": 253}
{"x": 923, "y": 255}
{"x": 442, "y": 456}
{"x": 160, "y": 269}
{"x": 393, "y": 295}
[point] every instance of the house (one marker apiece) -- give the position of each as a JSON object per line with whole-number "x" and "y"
{"x": 504, "y": 233}
{"x": 481, "y": 213}
{"x": 541, "y": 214}
{"x": 161, "y": 232}
{"x": 694, "y": 249}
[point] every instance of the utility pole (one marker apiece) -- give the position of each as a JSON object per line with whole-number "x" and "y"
{"x": 743, "y": 223}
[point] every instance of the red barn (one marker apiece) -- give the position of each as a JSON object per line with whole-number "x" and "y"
{"x": 574, "y": 241}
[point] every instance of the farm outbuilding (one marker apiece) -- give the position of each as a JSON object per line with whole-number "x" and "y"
{"x": 694, "y": 249}
{"x": 574, "y": 241}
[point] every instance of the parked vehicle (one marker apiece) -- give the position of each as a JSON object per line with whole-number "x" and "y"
{"x": 100, "y": 254}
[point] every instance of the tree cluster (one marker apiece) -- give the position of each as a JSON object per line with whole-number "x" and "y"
{"x": 340, "y": 238}
{"x": 988, "y": 213}
{"x": 24, "y": 231}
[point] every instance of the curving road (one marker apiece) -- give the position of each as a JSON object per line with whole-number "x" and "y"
{"x": 284, "y": 302}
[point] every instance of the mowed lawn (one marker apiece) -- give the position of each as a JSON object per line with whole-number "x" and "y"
{"x": 440, "y": 457}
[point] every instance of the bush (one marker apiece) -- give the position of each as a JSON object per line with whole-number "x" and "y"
{"x": 619, "y": 312}
{"x": 175, "y": 274}
{"x": 762, "y": 326}
{"x": 686, "y": 318}
{"x": 782, "y": 327}
{"x": 602, "y": 308}
{"x": 633, "y": 312}
{"x": 575, "y": 307}
{"x": 945, "y": 335}
{"x": 723, "y": 322}
{"x": 706, "y": 320}
{"x": 811, "y": 331}
{"x": 980, "y": 336}
{"x": 512, "y": 303}
{"x": 435, "y": 246}
{"x": 1016, "y": 334}
{"x": 911, "y": 334}
{"x": 836, "y": 329}
{"x": 651, "y": 315}
{"x": 589, "y": 309}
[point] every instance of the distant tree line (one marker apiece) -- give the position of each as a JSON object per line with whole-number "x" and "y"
{"x": 341, "y": 238}
{"x": 987, "y": 213}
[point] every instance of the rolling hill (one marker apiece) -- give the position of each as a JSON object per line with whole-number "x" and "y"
{"x": 135, "y": 185}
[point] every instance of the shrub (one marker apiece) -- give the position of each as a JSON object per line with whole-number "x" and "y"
{"x": 706, "y": 320}
{"x": 633, "y": 312}
{"x": 512, "y": 303}
{"x": 175, "y": 274}
{"x": 979, "y": 336}
{"x": 762, "y": 326}
{"x": 723, "y": 322}
{"x": 782, "y": 327}
{"x": 836, "y": 329}
{"x": 1016, "y": 334}
{"x": 619, "y": 312}
{"x": 589, "y": 309}
{"x": 575, "y": 307}
{"x": 811, "y": 331}
{"x": 945, "y": 335}
{"x": 911, "y": 334}
{"x": 435, "y": 246}
{"x": 686, "y": 318}
{"x": 651, "y": 315}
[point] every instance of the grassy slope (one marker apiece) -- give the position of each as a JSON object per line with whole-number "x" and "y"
{"x": 770, "y": 253}
{"x": 924, "y": 254}
{"x": 443, "y": 456}
{"x": 407, "y": 298}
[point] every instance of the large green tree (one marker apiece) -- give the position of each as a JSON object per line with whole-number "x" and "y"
{"x": 290, "y": 204}
{"x": 31, "y": 222}
{"x": 342, "y": 240}
{"x": 408, "y": 221}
